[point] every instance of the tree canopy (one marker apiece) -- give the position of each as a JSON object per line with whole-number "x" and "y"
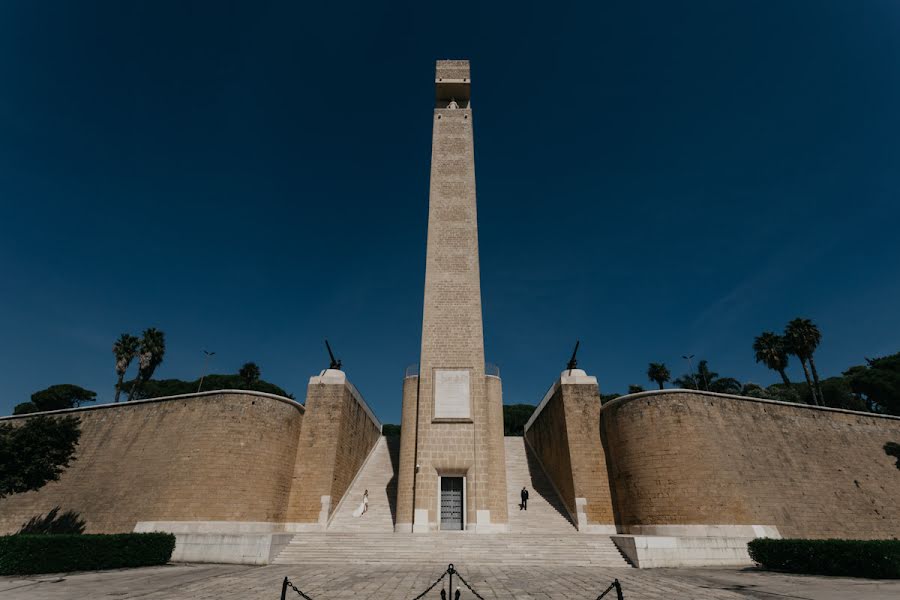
{"x": 35, "y": 452}
{"x": 515, "y": 416}
{"x": 158, "y": 388}
{"x": 659, "y": 373}
{"x": 877, "y": 383}
{"x": 56, "y": 397}
{"x": 250, "y": 373}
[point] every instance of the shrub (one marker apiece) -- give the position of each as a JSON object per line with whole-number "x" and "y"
{"x": 27, "y": 554}
{"x": 877, "y": 559}
{"x": 54, "y": 523}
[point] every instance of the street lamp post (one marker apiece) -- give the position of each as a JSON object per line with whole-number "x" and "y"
{"x": 691, "y": 368}
{"x": 205, "y": 362}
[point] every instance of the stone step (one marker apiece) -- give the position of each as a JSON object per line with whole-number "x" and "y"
{"x": 546, "y": 513}
{"x": 379, "y": 476}
{"x": 441, "y": 548}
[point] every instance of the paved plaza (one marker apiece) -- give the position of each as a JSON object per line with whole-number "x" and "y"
{"x": 323, "y": 582}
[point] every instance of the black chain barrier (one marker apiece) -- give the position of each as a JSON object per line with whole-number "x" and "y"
{"x": 287, "y": 584}
{"x": 615, "y": 585}
{"x": 451, "y": 571}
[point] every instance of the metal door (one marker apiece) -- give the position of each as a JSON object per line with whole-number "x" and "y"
{"x": 451, "y": 503}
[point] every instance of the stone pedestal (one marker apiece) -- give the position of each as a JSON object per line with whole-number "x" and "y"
{"x": 564, "y": 434}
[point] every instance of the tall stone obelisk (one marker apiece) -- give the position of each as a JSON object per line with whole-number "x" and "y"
{"x": 452, "y": 464}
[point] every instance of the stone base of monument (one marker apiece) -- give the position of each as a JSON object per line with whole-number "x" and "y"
{"x": 230, "y": 542}
{"x": 229, "y": 548}
{"x": 691, "y": 545}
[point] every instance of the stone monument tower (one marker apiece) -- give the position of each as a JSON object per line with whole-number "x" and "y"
{"x": 452, "y": 465}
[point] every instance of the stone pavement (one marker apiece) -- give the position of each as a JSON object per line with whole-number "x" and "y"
{"x": 234, "y": 582}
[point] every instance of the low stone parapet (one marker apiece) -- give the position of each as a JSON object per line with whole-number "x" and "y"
{"x": 650, "y": 551}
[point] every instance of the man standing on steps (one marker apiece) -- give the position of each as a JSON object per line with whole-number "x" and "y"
{"x": 524, "y": 495}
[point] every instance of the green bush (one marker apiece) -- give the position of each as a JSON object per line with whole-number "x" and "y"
{"x": 26, "y": 554}
{"x": 877, "y": 559}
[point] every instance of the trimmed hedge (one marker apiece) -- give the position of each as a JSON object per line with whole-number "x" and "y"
{"x": 876, "y": 559}
{"x": 27, "y": 554}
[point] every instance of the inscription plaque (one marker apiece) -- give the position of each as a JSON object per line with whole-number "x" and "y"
{"x": 451, "y": 394}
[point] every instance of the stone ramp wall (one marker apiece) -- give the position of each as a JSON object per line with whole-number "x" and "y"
{"x": 564, "y": 436}
{"x": 213, "y": 456}
{"x": 682, "y": 459}
{"x": 339, "y": 433}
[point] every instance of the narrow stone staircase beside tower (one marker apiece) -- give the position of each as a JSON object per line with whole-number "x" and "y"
{"x": 378, "y": 475}
{"x": 546, "y": 513}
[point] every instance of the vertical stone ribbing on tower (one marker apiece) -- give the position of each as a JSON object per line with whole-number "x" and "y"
{"x": 452, "y": 336}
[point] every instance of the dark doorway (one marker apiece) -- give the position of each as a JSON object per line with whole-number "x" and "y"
{"x": 451, "y": 503}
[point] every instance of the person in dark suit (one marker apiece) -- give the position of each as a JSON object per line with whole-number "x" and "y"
{"x": 524, "y": 495}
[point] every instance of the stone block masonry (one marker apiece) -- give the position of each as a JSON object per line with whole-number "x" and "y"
{"x": 564, "y": 436}
{"x": 224, "y": 456}
{"x": 688, "y": 463}
{"x": 338, "y": 435}
{"x": 454, "y": 427}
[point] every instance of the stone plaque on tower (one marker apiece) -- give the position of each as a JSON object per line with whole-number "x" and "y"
{"x": 452, "y": 425}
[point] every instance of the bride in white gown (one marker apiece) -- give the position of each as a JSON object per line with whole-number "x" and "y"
{"x": 363, "y": 506}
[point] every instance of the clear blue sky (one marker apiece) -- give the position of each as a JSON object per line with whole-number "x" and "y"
{"x": 654, "y": 178}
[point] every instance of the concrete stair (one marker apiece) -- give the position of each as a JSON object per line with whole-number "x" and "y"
{"x": 542, "y": 535}
{"x": 499, "y": 549}
{"x": 546, "y": 513}
{"x": 378, "y": 475}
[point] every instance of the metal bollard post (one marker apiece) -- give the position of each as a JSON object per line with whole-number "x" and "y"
{"x": 284, "y": 588}
{"x": 618, "y": 589}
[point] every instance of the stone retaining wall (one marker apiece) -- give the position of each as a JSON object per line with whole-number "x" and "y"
{"x": 213, "y": 456}
{"x": 688, "y": 458}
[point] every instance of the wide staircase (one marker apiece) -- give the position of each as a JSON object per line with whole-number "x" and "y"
{"x": 542, "y": 535}
{"x": 546, "y": 513}
{"x": 378, "y": 475}
{"x": 460, "y": 548}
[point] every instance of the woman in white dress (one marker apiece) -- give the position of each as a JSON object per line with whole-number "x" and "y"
{"x": 363, "y": 506}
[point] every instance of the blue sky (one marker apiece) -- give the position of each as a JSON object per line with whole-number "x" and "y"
{"x": 654, "y": 178}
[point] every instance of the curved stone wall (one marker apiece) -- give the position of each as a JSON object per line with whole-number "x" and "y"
{"x": 214, "y": 456}
{"x": 682, "y": 458}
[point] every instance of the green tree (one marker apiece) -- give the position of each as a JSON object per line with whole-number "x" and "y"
{"x": 390, "y": 430}
{"x": 62, "y": 396}
{"x": 514, "y": 418}
{"x": 36, "y": 452}
{"x": 802, "y": 337}
{"x": 659, "y": 373}
{"x": 150, "y": 356}
{"x": 250, "y": 373}
{"x": 604, "y": 398}
{"x": 158, "y": 388}
{"x": 877, "y": 383}
{"x": 708, "y": 380}
{"x": 635, "y": 389}
{"x": 24, "y": 408}
{"x": 124, "y": 349}
{"x": 770, "y": 350}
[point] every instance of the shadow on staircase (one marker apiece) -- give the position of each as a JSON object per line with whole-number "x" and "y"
{"x": 393, "y": 444}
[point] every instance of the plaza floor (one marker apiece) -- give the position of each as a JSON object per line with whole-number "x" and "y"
{"x": 323, "y": 582}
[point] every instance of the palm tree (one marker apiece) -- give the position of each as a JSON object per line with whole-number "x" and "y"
{"x": 770, "y": 350}
{"x": 250, "y": 373}
{"x": 125, "y": 349}
{"x": 803, "y": 337}
{"x": 150, "y": 356}
{"x": 709, "y": 381}
{"x": 659, "y": 373}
